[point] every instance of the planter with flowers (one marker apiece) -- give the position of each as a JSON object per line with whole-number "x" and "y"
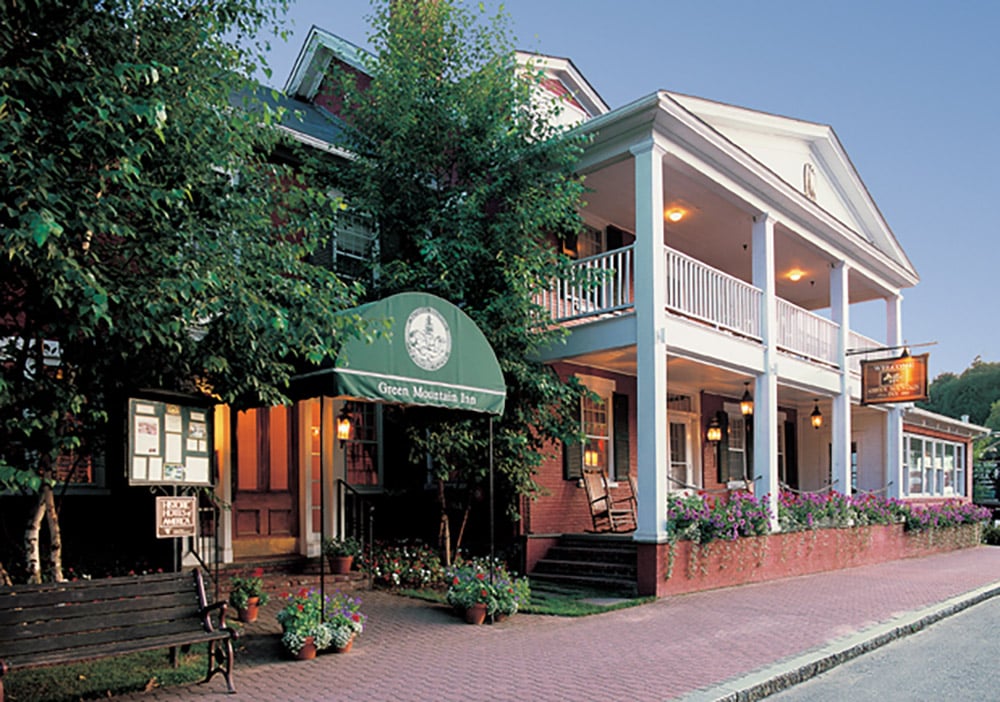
{"x": 247, "y": 594}
{"x": 340, "y": 554}
{"x": 344, "y": 620}
{"x": 479, "y": 590}
{"x": 303, "y": 631}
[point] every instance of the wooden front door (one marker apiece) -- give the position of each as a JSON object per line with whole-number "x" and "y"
{"x": 265, "y": 509}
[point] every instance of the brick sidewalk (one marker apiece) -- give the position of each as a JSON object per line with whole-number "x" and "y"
{"x": 675, "y": 647}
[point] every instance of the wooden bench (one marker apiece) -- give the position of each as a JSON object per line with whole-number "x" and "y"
{"x": 55, "y": 623}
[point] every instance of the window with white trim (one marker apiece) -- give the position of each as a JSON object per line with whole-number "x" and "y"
{"x": 934, "y": 467}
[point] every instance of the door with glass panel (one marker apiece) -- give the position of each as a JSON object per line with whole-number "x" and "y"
{"x": 265, "y": 513}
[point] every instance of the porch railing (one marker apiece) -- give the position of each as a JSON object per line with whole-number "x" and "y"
{"x": 704, "y": 293}
{"x": 803, "y": 333}
{"x": 601, "y": 284}
{"x": 857, "y": 342}
{"x": 604, "y": 284}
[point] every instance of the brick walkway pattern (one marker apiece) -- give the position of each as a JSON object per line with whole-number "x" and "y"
{"x": 678, "y": 647}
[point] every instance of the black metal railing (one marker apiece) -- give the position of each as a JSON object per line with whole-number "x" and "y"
{"x": 357, "y": 520}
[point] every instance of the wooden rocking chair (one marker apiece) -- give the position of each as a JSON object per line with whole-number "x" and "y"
{"x": 608, "y": 513}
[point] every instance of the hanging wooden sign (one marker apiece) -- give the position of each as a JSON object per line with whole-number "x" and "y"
{"x": 890, "y": 380}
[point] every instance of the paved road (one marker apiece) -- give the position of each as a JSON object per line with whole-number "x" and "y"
{"x": 700, "y": 646}
{"x": 954, "y": 659}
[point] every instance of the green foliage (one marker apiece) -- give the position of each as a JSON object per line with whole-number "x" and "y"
{"x": 404, "y": 565}
{"x": 991, "y": 534}
{"x": 469, "y": 186}
{"x": 974, "y": 393}
{"x": 477, "y": 581}
{"x": 243, "y": 587}
{"x": 137, "y": 217}
{"x": 348, "y": 546}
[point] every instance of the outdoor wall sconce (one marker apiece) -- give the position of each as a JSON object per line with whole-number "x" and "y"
{"x": 816, "y": 417}
{"x": 746, "y": 402}
{"x": 590, "y": 458}
{"x": 714, "y": 433}
{"x": 344, "y": 425}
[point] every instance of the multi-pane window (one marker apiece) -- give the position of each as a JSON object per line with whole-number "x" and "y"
{"x": 362, "y": 452}
{"x": 933, "y": 466}
{"x": 597, "y": 432}
{"x": 350, "y": 248}
{"x": 737, "y": 445}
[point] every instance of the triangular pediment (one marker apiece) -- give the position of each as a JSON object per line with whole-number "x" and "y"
{"x": 810, "y": 158}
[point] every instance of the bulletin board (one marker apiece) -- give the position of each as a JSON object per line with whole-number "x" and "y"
{"x": 169, "y": 443}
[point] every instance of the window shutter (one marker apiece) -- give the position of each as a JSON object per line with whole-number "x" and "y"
{"x": 791, "y": 456}
{"x": 619, "y": 408}
{"x": 722, "y": 450}
{"x": 572, "y": 460}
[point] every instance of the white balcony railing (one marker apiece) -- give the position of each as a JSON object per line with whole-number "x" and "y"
{"x": 709, "y": 295}
{"x": 602, "y": 285}
{"x": 803, "y": 333}
{"x": 857, "y": 342}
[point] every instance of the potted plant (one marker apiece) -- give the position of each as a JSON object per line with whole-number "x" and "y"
{"x": 247, "y": 594}
{"x": 345, "y": 620}
{"x": 471, "y": 592}
{"x": 340, "y": 553}
{"x": 511, "y": 594}
{"x": 480, "y": 589}
{"x": 303, "y": 630}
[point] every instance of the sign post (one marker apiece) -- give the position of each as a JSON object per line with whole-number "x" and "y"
{"x": 176, "y": 516}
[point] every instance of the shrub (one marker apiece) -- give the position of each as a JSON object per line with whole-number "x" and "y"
{"x": 991, "y": 534}
{"x": 405, "y": 564}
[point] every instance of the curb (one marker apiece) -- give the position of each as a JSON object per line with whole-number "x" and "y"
{"x": 792, "y": 671}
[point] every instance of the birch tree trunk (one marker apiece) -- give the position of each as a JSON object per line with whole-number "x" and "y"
{"x": 32, "y": 548}
{"x": 444, "y": 532}
{"x": 55, "y": 533}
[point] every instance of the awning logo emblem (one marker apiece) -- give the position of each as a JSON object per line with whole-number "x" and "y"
{"x": 428, "y": 339}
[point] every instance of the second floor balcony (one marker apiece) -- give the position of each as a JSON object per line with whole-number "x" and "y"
{"x": 603, "y": 286}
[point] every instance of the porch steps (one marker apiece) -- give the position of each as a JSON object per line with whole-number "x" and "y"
{"x": 605, "y": 562}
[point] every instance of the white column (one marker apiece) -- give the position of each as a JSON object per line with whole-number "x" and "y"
{"x": 651, "y": 348}
{"x": 840, "y": 421}
{"x": 327, "y": 459}
{"x": 894, "y": 477}
{"x": 224, "y": 489}
{"x": 765, "y": 410}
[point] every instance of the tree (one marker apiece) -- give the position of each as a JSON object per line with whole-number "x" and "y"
{"x": 138, "y": 214}
{"x": 971, "y": 393}
{"x": 468, "y": 184}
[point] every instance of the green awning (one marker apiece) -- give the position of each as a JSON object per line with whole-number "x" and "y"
{"x": 433, "y": 355}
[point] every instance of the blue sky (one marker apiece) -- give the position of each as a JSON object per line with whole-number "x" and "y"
{"x": 912, "y": 89}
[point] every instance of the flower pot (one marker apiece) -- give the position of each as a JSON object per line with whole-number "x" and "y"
{"x": 475, "y": 614}
{"x": 249, "y": 613}
{"x": 340, "y": 565}
{"x": 345, "y": 648}
{"x": 308, "y": 650}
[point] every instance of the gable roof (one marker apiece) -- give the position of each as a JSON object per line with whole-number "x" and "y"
{"x": 787, "y": 147}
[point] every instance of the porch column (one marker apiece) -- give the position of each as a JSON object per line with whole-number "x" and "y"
{"x": 651, "y": 344}
{"x": 765, "y": 411}
{"x": 327, "y": 458}
{"x": 224, "y": 437}
{"x": 898, "y": 483}
{"x": 840, "y": 422}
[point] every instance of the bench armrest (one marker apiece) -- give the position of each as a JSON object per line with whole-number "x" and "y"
{"x": 206, "y": 615}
